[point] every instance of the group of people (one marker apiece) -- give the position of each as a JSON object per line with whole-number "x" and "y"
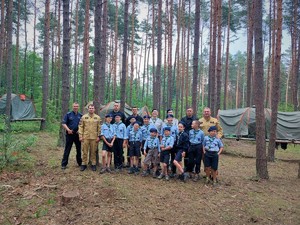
{"x": 163, "y": 143}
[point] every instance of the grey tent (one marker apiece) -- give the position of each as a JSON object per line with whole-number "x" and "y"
{"x": 241, "y": 122}
{"x": 21, "y": 107}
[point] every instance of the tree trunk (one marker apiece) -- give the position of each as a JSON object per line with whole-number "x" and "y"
{"x": 268, "y": 80}
{"x": 212, "y": 72}
{"x": 58, "y": 73}
{"x": 196, "y": 57}
{"x": 25, "y": 49}
{"x": 227, "y": 58}
{"x": 261, "y": 159}
{"x": 249, "y": 52}
{"x": 219, "y": 58}
{"x": 86, "y": 61}
{"x": 97, "y": 56}
{"x": 124, "y": 56}
{"x": 45, "y": 63}
{"x": 75, "y": 96}
{"x": 17, "y": 50}
{"x": 114, "y": 73}
{"x": 34, "y": 53}
{"x": 132, "y": 52}
{"x": 275, "y": 85}
{"x": 170, "y": 49}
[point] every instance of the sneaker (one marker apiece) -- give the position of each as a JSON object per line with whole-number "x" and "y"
{"x": 161, "y": 176}
{"x": 136, "y": 171}
{"x": 154, "y": 174}
{"x": 103, "y": 170}
{"x": 94, "y": 167}
{"x": 172, "y": 175}
{"x": 185, "y": 177}
{"x": 207, "y": 180}
{"x": 215, "y": 184}
{"x": 63, "y": 167}
{"x": 131, "y": 170}
{"x": 196, "y": 178}
{"x": 167, "y": 177}
{"x": 83, "y": 168}
{"x": 145, "y": 173}
{"x": 108, "y": 170}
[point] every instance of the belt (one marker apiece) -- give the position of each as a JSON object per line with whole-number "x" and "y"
{"x": 196, "y": 144}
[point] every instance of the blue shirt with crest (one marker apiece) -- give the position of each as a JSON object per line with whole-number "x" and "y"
{"x": 152, "y": 142}
{"x": 107, "y": 130}
{"x": 120, "y": 130}
{"x": 135, "y": 135}
{"x": 196, "y": 136}
{"x": 71, "y": 119}
{"x": 146, "y": 130}
{"x": 174, "y": 130}
{"x": 167, "y": 141}
{"x": 212, "y": 144}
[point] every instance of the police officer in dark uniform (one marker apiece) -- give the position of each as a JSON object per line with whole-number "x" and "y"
{"x": 70, "y": 124}
{"x": 116, "y": 111}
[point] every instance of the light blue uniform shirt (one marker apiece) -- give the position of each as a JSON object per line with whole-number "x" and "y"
{"x": 128, "y": 129}
{"x": 136, "y": 136}
{"x": 212, "y": 144}
{"x": 174, "y": 130}
{"x": 120, "y": 130}
{"x": 167, "y": 141}
{"x": 107, "y": 131}
{"x": 146, "y": 130}
{"x": 152, "y": 142}
{"x": 196, "y": 136}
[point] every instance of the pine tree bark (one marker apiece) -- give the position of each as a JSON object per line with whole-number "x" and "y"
{"x": 170, "y": 49}
{"x": 275, "y": 85}
{"x": 249, "y": 52}
{"x": 75, "y": 96}
{"x": 219, "y": 58}
{"x": 46, "y": 63}
{"x": 261, "y": 159}
{"x": 132, "y": 52}
{"x": 114, "y": 73}
{"x": 58, "y": 62}
{"x": 97, "y": 55}
{"x": 124, "y": 56}
{"x": 25, "y": 49}
{"x": 196, "y": 57}
{"x": 32, "y": 90}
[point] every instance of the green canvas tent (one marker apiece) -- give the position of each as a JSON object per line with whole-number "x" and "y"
{"x": 241, "y": 123}
{"x": 21, "y": 107}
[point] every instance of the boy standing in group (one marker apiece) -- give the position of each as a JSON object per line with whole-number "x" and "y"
{"x": 135, "y": 138}
{"x": 182, "y": 146}
{"x": 108, "y": 137}
{"x": 213, "y": 147}
{"x": 166, "y": 146}
{"x": 195, "y": 151}
{"x": 119, "y": 144}
{"x": 151, "y": 151}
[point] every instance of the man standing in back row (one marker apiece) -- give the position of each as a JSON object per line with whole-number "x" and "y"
{"x": 207, "y": 121}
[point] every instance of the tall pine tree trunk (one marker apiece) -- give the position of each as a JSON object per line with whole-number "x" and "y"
{"x": 275, "y": 84}
{"x": 261, "y": 159}
{"x": 170, "y": 49}
{"x": 124, "y": 56}
{"x": 46, "y": 63}
{"x": 219, "y": 58}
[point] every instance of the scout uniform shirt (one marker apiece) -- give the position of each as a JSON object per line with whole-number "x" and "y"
{"x": 152, "y": 143}
{"x": 212, "y": 144}
{"x": 135, "y": 136}
{"x": 206, "y": 124}
{"x": 173, "y": 132}
{"x": 196, "y": 137}
{"x": 146, "y": 130}
{"x": 156, "y": 122}
{"x": 120, "y": 130}
{"x": 167, "y": 141}
{"x": 107, "y": 131}
{"x": 89, "y": 127}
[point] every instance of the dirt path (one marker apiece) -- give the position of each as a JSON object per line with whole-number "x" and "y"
{"x": 34, "y": 197}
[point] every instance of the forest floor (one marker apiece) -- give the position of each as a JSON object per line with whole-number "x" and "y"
{"x": 34, "y": 196}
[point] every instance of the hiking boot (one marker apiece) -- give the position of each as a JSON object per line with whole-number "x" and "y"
{"x": 94, "y": 167}
{"x": 161, "y": 176}
{"x": 145, "y": 173}
{"x": 196, "y": 177}
{"x": 131, "y": 171}
{"x": 103, "y": 170}
{"x": 83, "y": 168}
{"x": 108, "y": 170}
{"x": 167, "y": 178}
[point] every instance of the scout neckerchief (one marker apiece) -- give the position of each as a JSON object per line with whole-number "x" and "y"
{"x": 135, "y": 132}
{"x": 178, "y": 136}
{"x": 151, "y": 144}
{"x": 166, "y": 139}
{"x": 210, "y": 141}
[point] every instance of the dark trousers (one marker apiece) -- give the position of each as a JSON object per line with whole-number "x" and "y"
{"x": 70, "y": 139}
{"x": 195, "y": 156}
{"x": 118, "y": 153}
{"x": 173, "y": 154}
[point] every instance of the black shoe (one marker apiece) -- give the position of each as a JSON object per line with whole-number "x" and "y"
{"x": 82, "y": 168}
{"x": 94, "y": 168}
{"x": 63, "y": 167}
{"x": 131, "y": 171}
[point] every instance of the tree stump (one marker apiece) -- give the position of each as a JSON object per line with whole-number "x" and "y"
{"x": 68, "y": 196}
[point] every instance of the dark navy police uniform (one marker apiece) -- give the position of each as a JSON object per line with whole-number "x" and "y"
{"x": 72, "y": 120}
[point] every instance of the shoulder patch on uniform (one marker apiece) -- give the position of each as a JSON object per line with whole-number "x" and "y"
{"x": 86, "y": 117}
{"x": 212, "y": 121}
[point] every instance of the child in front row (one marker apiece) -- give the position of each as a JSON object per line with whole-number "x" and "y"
{"x": 182, "y": 146}
{"x": 151, "y": 152}
{"x": 108, "y": 137}
{"x": 166, "y": 146}
{"x": 212, "y": 148}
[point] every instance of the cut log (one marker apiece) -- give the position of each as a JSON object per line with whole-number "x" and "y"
{"x": 68, "y": 196}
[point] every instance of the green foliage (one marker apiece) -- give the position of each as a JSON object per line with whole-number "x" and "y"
{"x": 14, "y": 148}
